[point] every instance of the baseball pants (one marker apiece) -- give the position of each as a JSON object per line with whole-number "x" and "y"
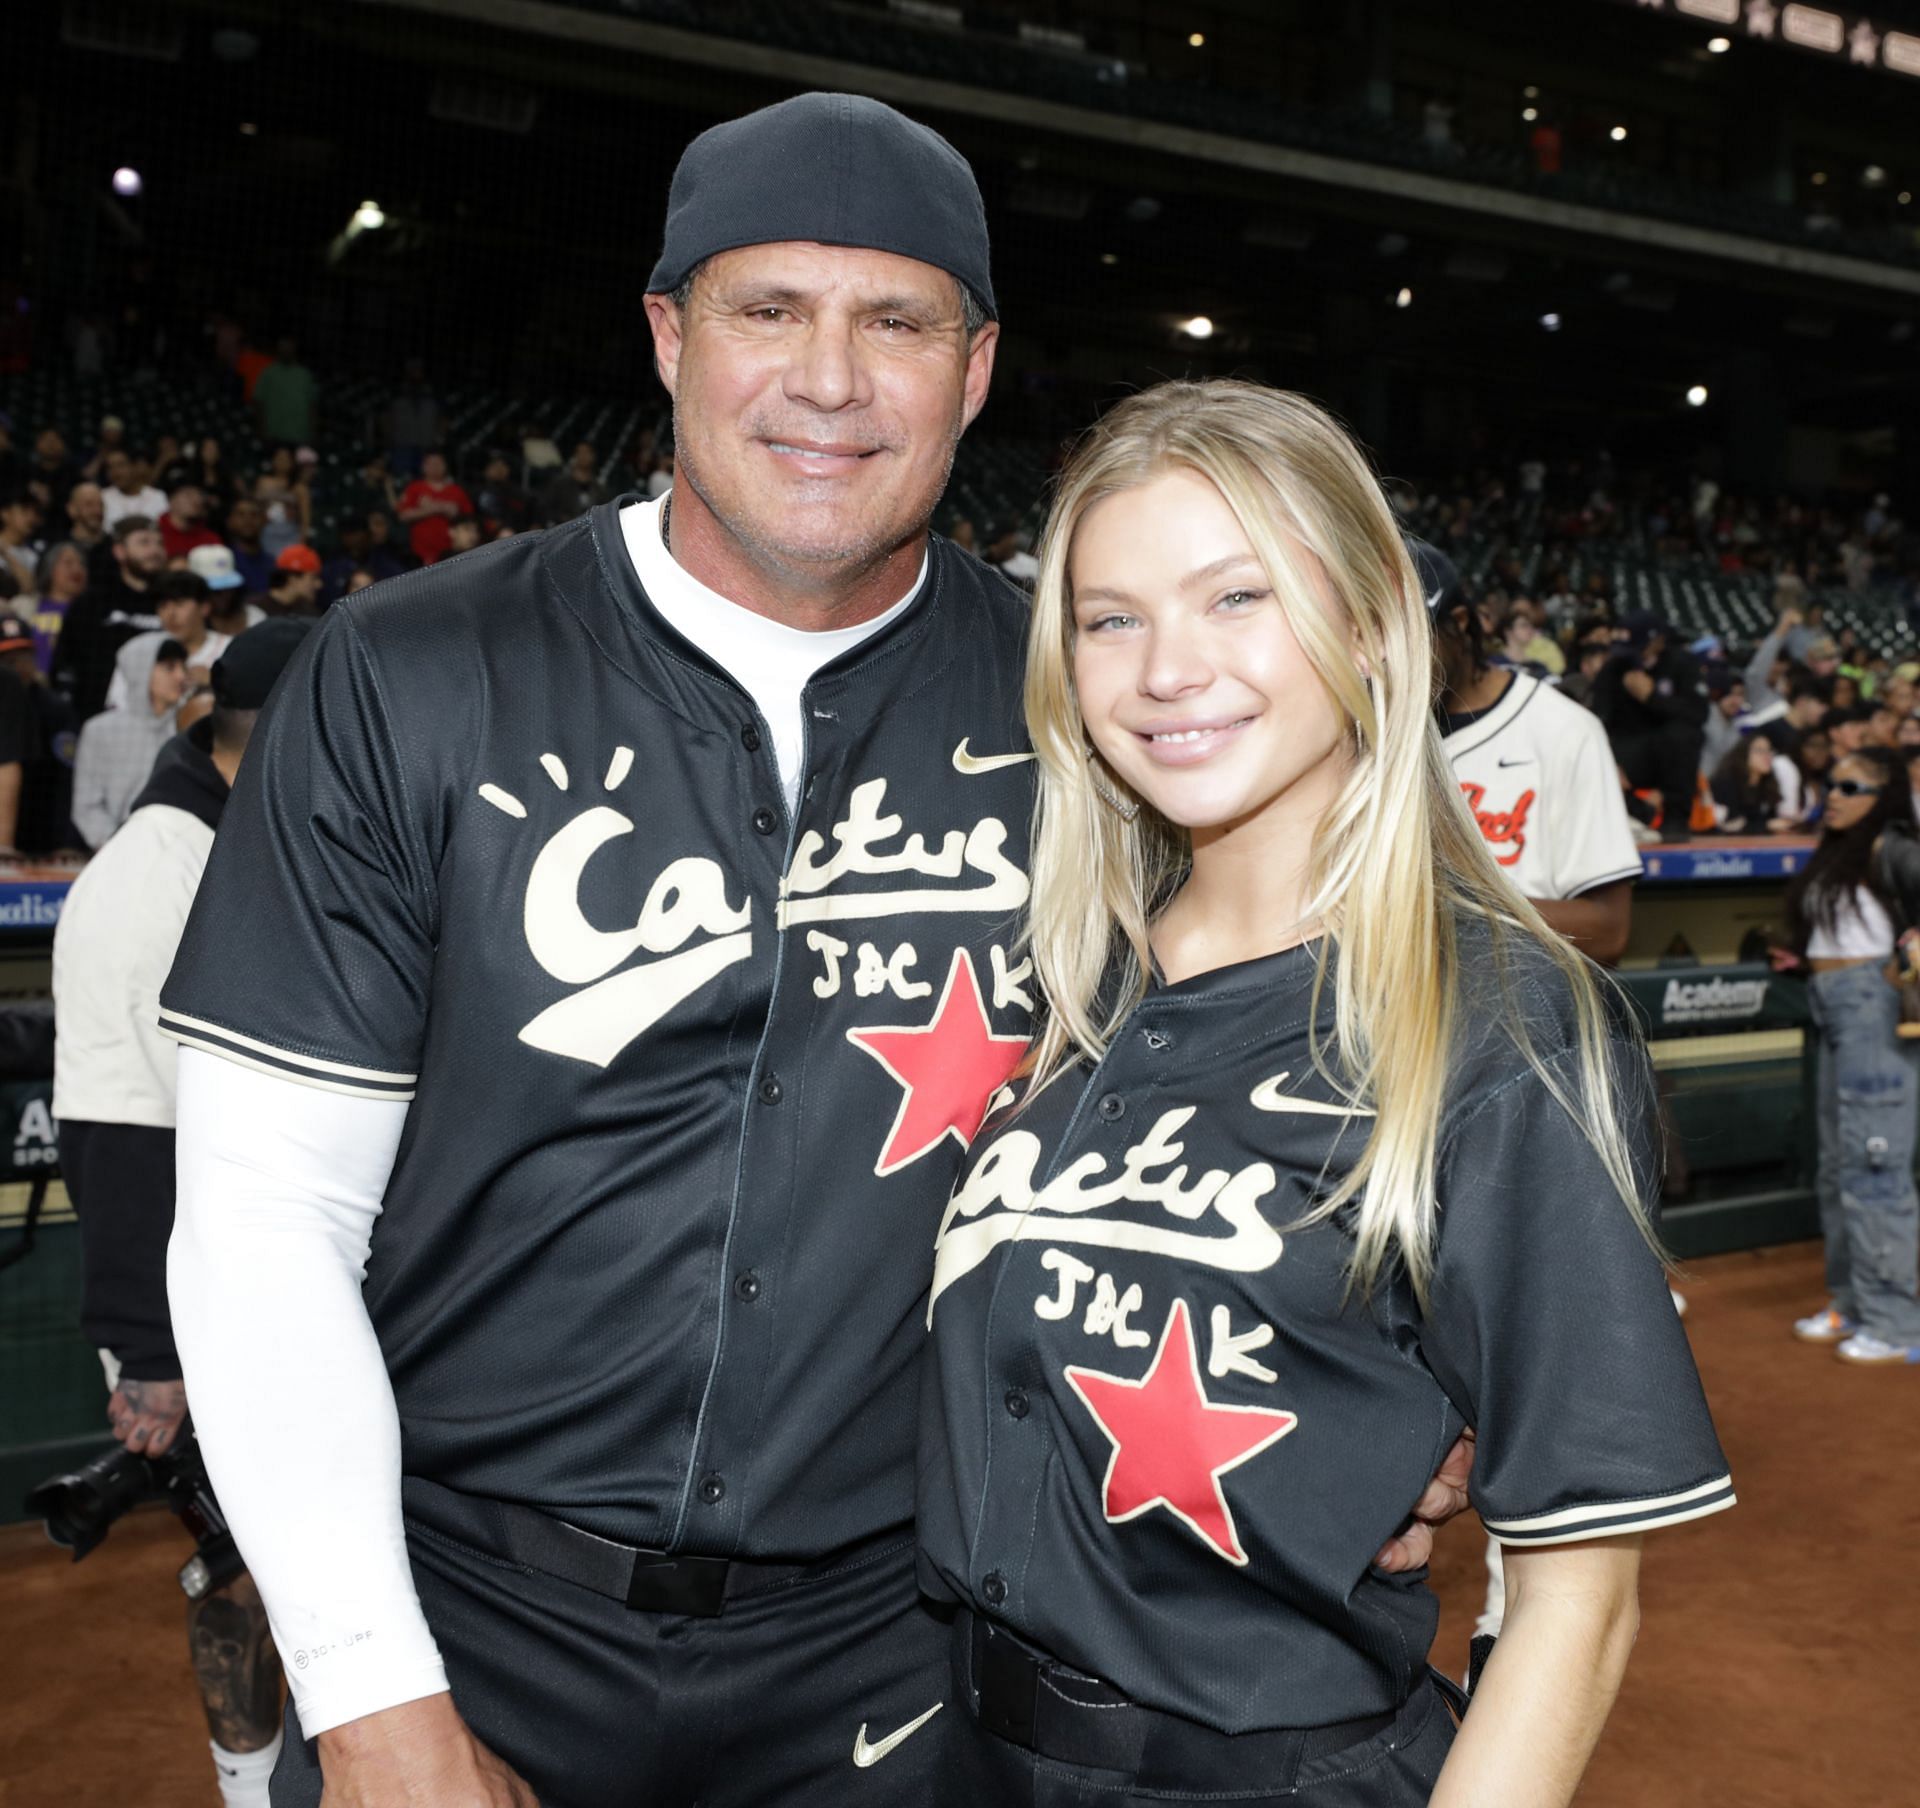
{"x": 1395, "y": 1767}
{"x": 598, "y": 1705}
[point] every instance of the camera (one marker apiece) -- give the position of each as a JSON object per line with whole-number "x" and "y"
{"x": 82, "y": 1506}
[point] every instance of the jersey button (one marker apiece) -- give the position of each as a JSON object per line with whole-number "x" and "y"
{"x": 750, "y": 738}
{"x": 1112, "y": 1106}
{"x": 713, "y": 1489}
{"x": 993, "y": 1588}
{"x": 771, "y": 1091}
{"x": 1018, "y": 1406}
{"x": 747, "y": 1286}
{"x": 764, "y": 820}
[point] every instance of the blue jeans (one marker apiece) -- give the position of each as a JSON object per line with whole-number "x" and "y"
{"x": 1869, "y": 1108}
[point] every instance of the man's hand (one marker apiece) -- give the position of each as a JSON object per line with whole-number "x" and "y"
{"x": 1445, "y": 1497}
{"x": 420, "y": 1754}
{"x": 146, "y": 1416}
{"x": 1639, "y": 685}
{"x": 1789, "y": 620}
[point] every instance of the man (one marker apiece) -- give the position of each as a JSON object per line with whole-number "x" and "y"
{"x": 356, "y": 551}
{"x": 246, "y": 520}
{"x": 36, "y": 728}
{"x": 1722, "y": 729}
{"x": 429, "y": 504}
{"x": 286, "y": 398}
{"x": 130, "y": 490}
{"x": 87, "y": 520}
{"x": 184, "y": 525}
{"x": 183, "y": 600}
{"x": 19, "y": 741}
{"x": 117, "y": 747}
{"x": 1538, "y": 776}
{"x": 386, "y": 557}
{"x": 573, "y": 491}
{"x": 294, "y": 588}
{"x": 232, "y": 614}
{"x": 416, "y": 422}
{"x": 113, "y": 1097}
{"x": 51, "y": 478}
{"x": 463, "y": 535}
{"x": 499, "y": 501}
{"x": 724, "y": 1134}
{"x": 1653, "y": 703}
{"x": 108, "y": 616}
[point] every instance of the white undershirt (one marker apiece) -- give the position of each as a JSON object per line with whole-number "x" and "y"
{"x": 279, "y": 1188}
{"x": 770, "y": 661}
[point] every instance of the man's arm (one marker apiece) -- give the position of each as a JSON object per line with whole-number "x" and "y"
{"x": 279, "y": 1188}
{"x": 1760, "y": 691}
{"x": 1597, "y": 922}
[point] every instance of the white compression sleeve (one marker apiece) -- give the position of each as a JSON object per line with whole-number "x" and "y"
{"x": 279, "y": 1185}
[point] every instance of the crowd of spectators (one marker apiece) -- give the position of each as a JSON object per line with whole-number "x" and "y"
{"x": 127, "y": 568}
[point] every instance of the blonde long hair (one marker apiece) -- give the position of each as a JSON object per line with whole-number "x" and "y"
{"x": 1393, "y": 859}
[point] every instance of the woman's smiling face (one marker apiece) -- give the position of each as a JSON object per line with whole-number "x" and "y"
{"x": 1192, "y": 684}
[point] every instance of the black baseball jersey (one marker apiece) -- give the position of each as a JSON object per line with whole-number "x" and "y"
{"x": 1164, "y": 1441}
{"x": 688, "y": 1080}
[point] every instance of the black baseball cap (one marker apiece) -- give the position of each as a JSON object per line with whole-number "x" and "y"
{"x": 833, "y": 169}
{"x": 1439, "y": 576}
{"x": 243, "y": 676}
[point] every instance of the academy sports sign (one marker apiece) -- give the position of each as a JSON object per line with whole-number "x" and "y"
{"x": 1716, "y": 1000}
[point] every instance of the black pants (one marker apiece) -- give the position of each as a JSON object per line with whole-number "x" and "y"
{"x": 600, "y": 1706}
{"x": 120, "y": 1179}
{"x": 1663, "y": 760}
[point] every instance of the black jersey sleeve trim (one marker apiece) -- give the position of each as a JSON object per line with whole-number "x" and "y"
{"x": 264, "y": 1057}
{"x": 1615, "y": 1518}
{"x": 1636, "y": 871}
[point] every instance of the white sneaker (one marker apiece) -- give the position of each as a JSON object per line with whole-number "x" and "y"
{"x": 1863, "y": 1346}
{"x": 1828, "y": 1325}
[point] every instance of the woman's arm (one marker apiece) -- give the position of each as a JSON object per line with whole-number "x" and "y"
{"x": 1572, "y": 1611}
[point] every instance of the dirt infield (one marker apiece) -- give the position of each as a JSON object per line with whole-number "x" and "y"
{"x": 1774, "y": 1670}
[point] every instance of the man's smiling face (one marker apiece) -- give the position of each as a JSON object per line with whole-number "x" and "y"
{"x": 819, "y": 392}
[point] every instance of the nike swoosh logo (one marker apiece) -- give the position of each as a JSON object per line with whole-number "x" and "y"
{"x": 973, "y": 763}
{"x": 1506, "y": 763}
{"x": 1267, "y": 1096}
{"x": 865, "y": 1754}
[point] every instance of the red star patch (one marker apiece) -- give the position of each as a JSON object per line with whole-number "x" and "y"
{"x": 1171, "y": 1444}
{"x": 949, "y": 1067}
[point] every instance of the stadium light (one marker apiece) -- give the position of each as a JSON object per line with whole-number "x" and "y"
{"x": 1719, "y": 46}
{"x": 1697, "y": 396}
{"x": 1873, "y": 176}
{"x": 1551, "y": 322}
{"x": 1618, "y": 134}
{"x": 1197, "y": 39}
{"x": 1529, "y": 113}
{"x": 126, "y": 182}
{"x": 1905, "y": 195}
{"x": 1199, "y": 327}
{"x": 248, "y": 129}
{"x": 1531, "y": 92}
{"x": 1109, "y": 257}
{"x": 1404, "y": 299}
{"x": 1819, "y": 178}
{"x": 368, "y": 216}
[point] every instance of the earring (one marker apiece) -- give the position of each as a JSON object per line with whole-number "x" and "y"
{"x": 1111, "y": 798}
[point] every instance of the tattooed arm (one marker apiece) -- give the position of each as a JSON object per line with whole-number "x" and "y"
{"x": 146, "y": 1416}
{"x": 236, "y": 1666}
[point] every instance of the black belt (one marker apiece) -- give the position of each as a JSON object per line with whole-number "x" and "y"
{"x": 1031, "y": 1701}
{"x": 651, "y": 1581}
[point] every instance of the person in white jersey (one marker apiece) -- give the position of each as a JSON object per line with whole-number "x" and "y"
{"x": 1538, "y": 775}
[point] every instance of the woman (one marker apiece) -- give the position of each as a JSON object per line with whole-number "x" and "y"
{"x": 1855, "y": 900}
{"x": 1327, "y": 1146}
{"x": 62, "y": 582}
{"x": 1747, "y": 787}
